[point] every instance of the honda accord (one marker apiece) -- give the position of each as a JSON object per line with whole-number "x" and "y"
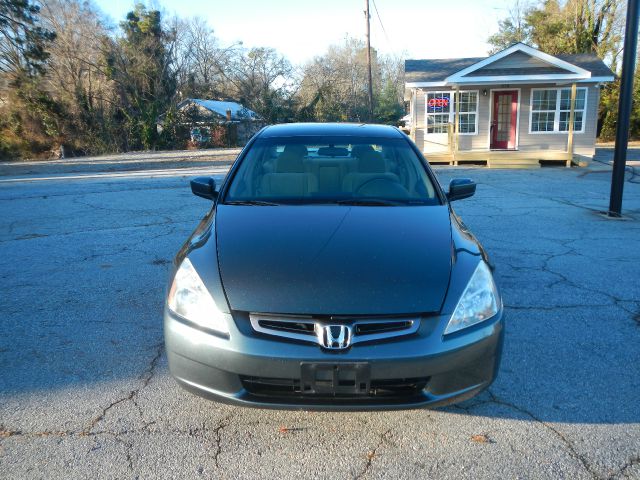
{"x": 332, "y": 273}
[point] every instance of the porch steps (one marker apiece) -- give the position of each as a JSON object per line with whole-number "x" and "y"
{"x": 518, "y": 162}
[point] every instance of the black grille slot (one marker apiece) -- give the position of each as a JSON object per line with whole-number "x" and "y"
{"x": 398, "y": 388}
{"x": 275, "y": 387}
{"x": 381, "y": 327}
{"x": 293, "y": 327}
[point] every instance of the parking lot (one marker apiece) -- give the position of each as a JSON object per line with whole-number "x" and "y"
{"x": 85, "y": 390}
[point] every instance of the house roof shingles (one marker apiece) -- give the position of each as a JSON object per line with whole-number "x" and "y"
{"x": 238, "y": 111}
{"x": 437, "y": 70}
{"x": 588, "y": 61}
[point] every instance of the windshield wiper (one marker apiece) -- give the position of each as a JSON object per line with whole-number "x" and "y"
{"x": 251, "y": 202}
{"x": 369, "y": 201}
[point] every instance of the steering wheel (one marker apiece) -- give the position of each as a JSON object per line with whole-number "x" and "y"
{"x": 393, "y": 183}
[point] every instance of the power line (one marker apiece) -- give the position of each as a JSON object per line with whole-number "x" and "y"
{"x": 381, "y": 24}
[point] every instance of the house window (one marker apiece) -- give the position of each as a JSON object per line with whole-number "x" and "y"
{"x": 467, "y": 112}
{"x": 440, "y": 111}
{"x": 550, "y": 110}
{"x": 543, "y": 110}
{"x": 578, "y": 111}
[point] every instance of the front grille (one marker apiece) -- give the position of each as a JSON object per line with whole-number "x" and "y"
{"x": 291, "y": 388}
{"x": 309, "y": 329}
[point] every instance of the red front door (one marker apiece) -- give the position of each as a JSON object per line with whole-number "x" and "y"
{"x": 504, "y": 120}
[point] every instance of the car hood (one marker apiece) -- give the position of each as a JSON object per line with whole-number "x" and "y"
{"x": 334, "y": 260}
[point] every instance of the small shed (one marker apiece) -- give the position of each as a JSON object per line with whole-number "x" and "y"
{"x": 511, "y": 109}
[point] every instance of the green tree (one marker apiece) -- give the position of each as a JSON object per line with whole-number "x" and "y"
{"x": 571, "y": 27}
{"x": 512, "y": 29}
{"x": 27, "y": 112}
{"x": 22, "y": 40}
{"x": 388, "y": 107}
{"x": 140, "y": 64}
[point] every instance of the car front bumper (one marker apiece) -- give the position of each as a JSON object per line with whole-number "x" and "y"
{"x": 441, "y": 370}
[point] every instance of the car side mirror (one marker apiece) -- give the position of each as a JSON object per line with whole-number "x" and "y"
{"x": 204, "y": 187}
{"x": 460, "y": 188}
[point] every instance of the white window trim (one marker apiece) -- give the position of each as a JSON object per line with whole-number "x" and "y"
{"x": 452, "y": 110}
{"x": 556, "y": 119}
{"x": 475, "y": 132}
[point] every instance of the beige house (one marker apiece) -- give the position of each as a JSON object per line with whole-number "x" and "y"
{"x": 511, "y": 109}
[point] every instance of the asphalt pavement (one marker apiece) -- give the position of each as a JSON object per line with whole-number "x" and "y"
{"x": 84, "y": 386}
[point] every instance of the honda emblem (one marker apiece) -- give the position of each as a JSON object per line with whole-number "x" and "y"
{"x": 334, "y": 337}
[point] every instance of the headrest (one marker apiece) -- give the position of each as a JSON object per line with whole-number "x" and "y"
{"x": 369, "y": 161}
{"x": 291, "y": 160}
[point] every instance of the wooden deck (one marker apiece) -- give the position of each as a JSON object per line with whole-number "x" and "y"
{"x": 451, "y": 155}
{"x": 505, "y": 158}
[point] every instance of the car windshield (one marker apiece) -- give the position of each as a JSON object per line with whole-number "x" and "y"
{"x": 336, "y": 170}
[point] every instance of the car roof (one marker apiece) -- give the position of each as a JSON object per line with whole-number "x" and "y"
{"x": 331, "y": 129}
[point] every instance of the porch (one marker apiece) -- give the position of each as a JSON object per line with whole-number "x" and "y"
{"x": 502, "y": 158}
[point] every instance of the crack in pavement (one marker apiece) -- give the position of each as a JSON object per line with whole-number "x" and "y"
{"x": 572, "y": 451}
{"x": 563, "y": 279}
{"x": 630, "y": 463}
{"x": 561, "y": 201}
{"x": 128, "y": 447}
{"x": 371, "y": 454}
{"x": 146, "y": 377}
{"x": 224, "y": 423}
{"x": 96, "y": 230}
{"x": 91, "y": 192}
{"x": 144, "y": 429}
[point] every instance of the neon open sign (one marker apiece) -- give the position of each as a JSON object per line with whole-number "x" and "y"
{"x": 438, "y": 102}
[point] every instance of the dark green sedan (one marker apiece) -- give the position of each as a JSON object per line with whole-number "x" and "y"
{"x": 332, "y": 273}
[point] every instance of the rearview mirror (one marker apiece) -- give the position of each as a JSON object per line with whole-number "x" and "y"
{"x": 460, "y": 188}
{"x": 204, "y": 187}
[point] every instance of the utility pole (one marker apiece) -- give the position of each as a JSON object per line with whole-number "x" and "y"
{"x": 366, "y": 16}
{"x": 624, "y": 108}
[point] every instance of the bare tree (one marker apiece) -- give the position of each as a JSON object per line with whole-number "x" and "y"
{"x": 202, "y": 61}
{"x": 334, "y": 85}
{"x": 261, "y": 79}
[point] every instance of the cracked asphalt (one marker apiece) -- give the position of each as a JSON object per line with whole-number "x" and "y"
{"x": 85, "y": 390}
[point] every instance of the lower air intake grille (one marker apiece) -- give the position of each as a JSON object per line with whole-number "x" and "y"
{"x": 291, "y": 388}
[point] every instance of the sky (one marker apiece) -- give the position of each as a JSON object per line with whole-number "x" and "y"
{"x": 303, "y": 29}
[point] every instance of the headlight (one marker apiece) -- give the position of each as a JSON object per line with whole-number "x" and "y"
{"x": 478, "y": 302}
{"x": 190, "y": 299}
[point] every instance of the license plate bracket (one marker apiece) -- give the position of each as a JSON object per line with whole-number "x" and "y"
{"x": 353, "y": 378}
